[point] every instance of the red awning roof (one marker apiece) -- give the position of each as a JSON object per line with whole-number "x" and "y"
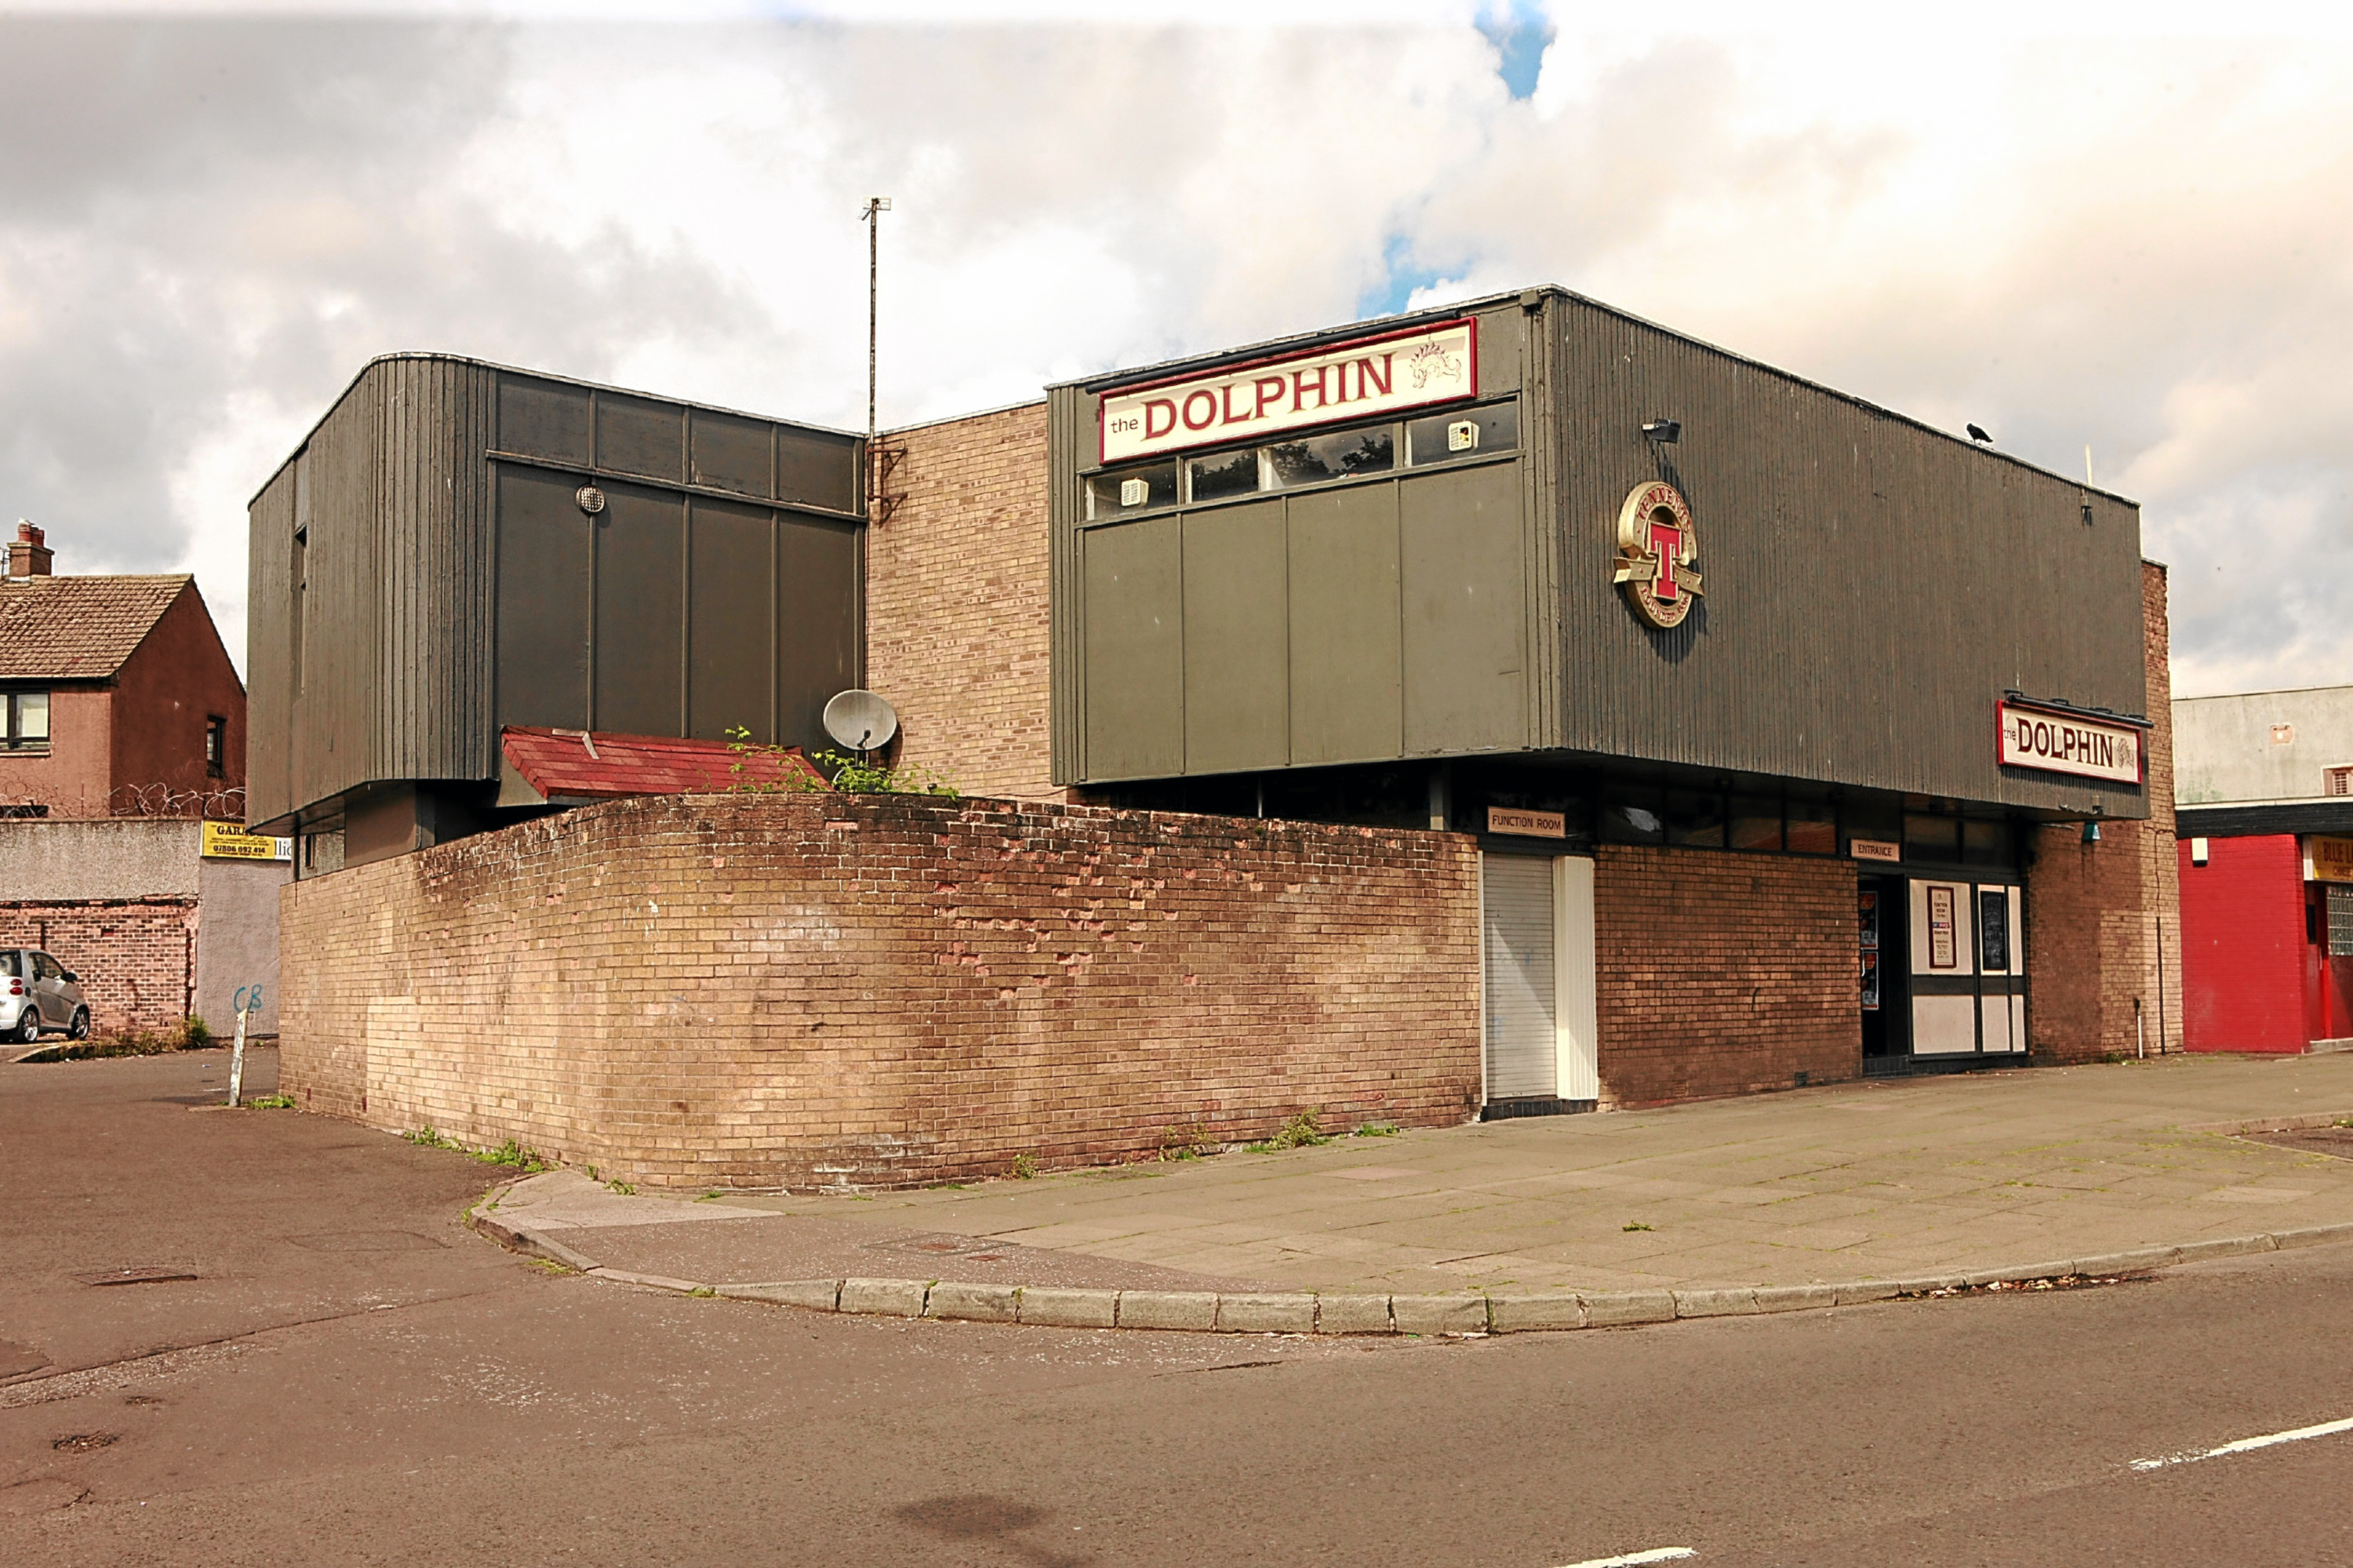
{"x": 576, "y": 765}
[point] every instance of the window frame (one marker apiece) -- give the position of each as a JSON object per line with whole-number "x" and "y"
{"x": 12, "y": 741}
{"x": 216, "y": 746}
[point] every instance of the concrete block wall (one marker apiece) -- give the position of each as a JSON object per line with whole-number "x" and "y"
{"x": 956, "y": 584}
{"x": 2103, "y": 921}
{"x": 1722, "y": 974}
{"x": 762, "y": 992}
{"x": 135, "y": 957}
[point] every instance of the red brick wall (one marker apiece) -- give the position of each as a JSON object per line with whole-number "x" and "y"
{"x": 179, "y": 676}
{"x": 2103, "y": 921}
{"x": 957, "y": 602}
{"x": 2243, "y": 945}
{"x": 135, "y": 958}
{"x": 813, "y": 990}
{"x": 74, "y": 778}
{"x": 1722, "y": 974}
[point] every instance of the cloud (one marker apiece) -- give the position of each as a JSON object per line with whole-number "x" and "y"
{"x": 2123, "y": 232}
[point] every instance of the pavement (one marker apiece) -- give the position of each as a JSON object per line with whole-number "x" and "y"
{"x": 325, "y": 1367}
{"x": 1901, "y": 1181}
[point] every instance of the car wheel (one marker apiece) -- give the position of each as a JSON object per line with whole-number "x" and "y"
{"x": 79, "y": 1028}
{"x": 28, "y": 1027}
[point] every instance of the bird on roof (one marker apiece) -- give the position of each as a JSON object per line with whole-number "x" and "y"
{"x": 1978, "y": 433}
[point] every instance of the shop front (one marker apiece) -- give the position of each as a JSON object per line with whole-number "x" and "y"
{"x": 1800, "y": 740}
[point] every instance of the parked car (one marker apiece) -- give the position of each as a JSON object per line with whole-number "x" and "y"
{"x": 37, "y": 993}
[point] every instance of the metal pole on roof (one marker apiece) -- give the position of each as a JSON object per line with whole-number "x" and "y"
{"x": 872, "y": 217}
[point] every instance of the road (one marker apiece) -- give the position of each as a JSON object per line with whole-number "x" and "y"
{"x": 351, "y": 1377}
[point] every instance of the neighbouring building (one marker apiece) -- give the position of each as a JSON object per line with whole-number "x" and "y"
{"x": 1500, "y": 710}
{"x": 2266, "y": 852}
{"x": 122, "y": 762}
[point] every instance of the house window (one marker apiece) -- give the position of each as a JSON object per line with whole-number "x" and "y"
{"x": 27, "y": 721}
{"x": 2340, "y": 921}
{"x": 2337, "y": 781}
{"x": 215, "y": 746}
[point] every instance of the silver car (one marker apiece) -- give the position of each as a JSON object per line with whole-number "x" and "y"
{"x": 36, "y": 992}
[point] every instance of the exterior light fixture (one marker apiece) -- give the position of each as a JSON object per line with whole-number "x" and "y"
{"x": 2091, "y": 832}
{"x": 1666, "y": 432}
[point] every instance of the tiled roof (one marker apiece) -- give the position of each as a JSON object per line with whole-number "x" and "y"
{"x": 600, "y": 767}
{"x": 77, "y": 628}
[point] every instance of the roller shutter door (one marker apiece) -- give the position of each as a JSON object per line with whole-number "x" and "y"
{"x": 1522, "y": 1026}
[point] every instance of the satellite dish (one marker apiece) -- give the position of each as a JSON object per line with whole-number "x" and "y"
{"x": 859, "y": 720}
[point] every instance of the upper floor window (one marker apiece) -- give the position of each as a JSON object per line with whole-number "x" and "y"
{"x": 26, "y": 719}
{"x": 215, "y": 746}
{"x": 1355, "y": 453}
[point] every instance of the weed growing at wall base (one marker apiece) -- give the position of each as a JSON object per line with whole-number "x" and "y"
{"x": 509, "y": 1153}
{"x": 1302, "y": 1132}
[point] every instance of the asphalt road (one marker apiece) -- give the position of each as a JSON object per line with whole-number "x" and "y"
{"x": 325, "y": 1390}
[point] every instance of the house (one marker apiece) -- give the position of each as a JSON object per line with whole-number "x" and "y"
{"x": 121, "y": 758}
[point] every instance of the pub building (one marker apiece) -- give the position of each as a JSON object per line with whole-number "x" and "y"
{"x": 1798, "y": 739}
{"x": 1701, "y": 651}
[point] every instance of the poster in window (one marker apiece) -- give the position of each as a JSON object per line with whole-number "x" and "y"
{"x": 1944, "y": 950}
{"x": 1994, "y": 930}
{"x": 1867, "y": 909}
{"x": 1870, "y": 982}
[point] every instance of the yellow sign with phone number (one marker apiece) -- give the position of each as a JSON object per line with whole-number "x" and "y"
{"x": 227, "y": 841}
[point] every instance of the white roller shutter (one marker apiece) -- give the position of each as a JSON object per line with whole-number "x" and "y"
{"x": 1522, "y": 1023}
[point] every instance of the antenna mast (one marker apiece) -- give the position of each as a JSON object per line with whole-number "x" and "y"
{"x": 872, "y": 217}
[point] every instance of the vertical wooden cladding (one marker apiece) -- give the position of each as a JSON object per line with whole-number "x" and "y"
{"x": 1871, "y": 585}
{"x": 412, "y": 590}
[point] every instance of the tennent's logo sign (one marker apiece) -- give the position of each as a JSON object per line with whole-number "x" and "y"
{"x": 2058, "y": 742}
{"x": 1435, "y": 364}
{"x": 1656, "y": 548}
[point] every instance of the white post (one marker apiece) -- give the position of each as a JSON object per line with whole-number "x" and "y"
{"x": 237, "y": 1062}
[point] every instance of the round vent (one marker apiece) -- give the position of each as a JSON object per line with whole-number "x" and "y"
{"x": 591, "y": 499}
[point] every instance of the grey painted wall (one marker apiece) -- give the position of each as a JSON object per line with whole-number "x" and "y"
{"x": 2224, "y": 753}
{"x": 237, "y": 942}
{"x": 132, "y": 857}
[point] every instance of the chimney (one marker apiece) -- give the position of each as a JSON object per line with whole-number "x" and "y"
{"x": 28, "y": 555}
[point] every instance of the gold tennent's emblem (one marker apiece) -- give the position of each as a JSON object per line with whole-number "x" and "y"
{"x": 1656, "y": 548}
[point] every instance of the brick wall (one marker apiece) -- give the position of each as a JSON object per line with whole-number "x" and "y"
{"x": 957, "y": 601}
{"x": 1722, "y": 974}
{"x": 2103, "y": 921}
{"x": 811, "y": 991}
{"x": 135, "y": 957}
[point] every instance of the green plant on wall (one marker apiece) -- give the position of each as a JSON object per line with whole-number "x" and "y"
{"x": 850, "y": 775}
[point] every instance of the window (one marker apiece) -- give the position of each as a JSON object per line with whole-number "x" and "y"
{"x": 2337, "y": 781}
{"x": 8, "y": 970}
{"x": 1813, "y": 828}
{"x": 27, "y": 721}
{"x": 1937, "y": 839}
{"x": 1464, "y": 433}
{"x": 1314, "y": 458}
{"x": 1228, "y": 474}
{"x": 2340, "y": 921}
{"x": 1131, "y": 489}
{"x": 1695, "y": 819}
{"x": 215, "y": 746}
{"x": 1756, "y": 823}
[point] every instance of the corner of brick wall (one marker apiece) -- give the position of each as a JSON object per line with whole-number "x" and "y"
{"x": 2103, "y": 921}
{"x": 769, "y": 991}
{"x": 957, "y": 597}
{"x": 1722, "y": 974}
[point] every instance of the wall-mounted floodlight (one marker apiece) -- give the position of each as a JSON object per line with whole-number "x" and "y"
{"x": 2091, "y": 832}
{"x": 1666, "y": 432}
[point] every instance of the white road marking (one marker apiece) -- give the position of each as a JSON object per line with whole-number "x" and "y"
{"x": 1656, "y": 1554}
{"x": 2244, "y": 1445}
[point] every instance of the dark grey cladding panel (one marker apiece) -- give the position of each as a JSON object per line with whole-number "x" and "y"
{"x": 1871, "y": 586}
{"x": 545, "y": 590}
{"x": 1347, "y": 671}
{"x": 818, "y": 639}
{"x": 732, "y": 602}
{"x": 551, "y": 420}
{"x": 636, "y": 435}
{"x": 1463, "y": 559}
{"x": 1236, "y": 705}
{"x": 268, "y": 650}
{"x": 729, "y": 452}
{"x": 1134, "y": 577}
{"x": 640, "y": 628}
{"x": 817, "y": 468}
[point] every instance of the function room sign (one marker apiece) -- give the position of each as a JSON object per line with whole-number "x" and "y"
{"x": 2057, "y": 740}
{"x": 1367, "y": 376}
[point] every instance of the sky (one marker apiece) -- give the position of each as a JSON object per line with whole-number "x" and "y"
{"x": 2126, "y": 229}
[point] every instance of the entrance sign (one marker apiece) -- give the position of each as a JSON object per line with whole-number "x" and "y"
{"x": 227, "y": 841}
{"x": 1874, "y": 849}
{"x": 1434, "y": 364}
{"x": 2055, "y": 741}
{"x": 2327, "y": 860}
{"x": 1656, "y": 548}
{"x": 1530, "y": 824}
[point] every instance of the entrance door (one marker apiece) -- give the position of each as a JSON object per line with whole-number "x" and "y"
{"x": 1968, "y": 973}
{"x": 1541, "y": 1006}
{"x": 1884, "y": 970}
